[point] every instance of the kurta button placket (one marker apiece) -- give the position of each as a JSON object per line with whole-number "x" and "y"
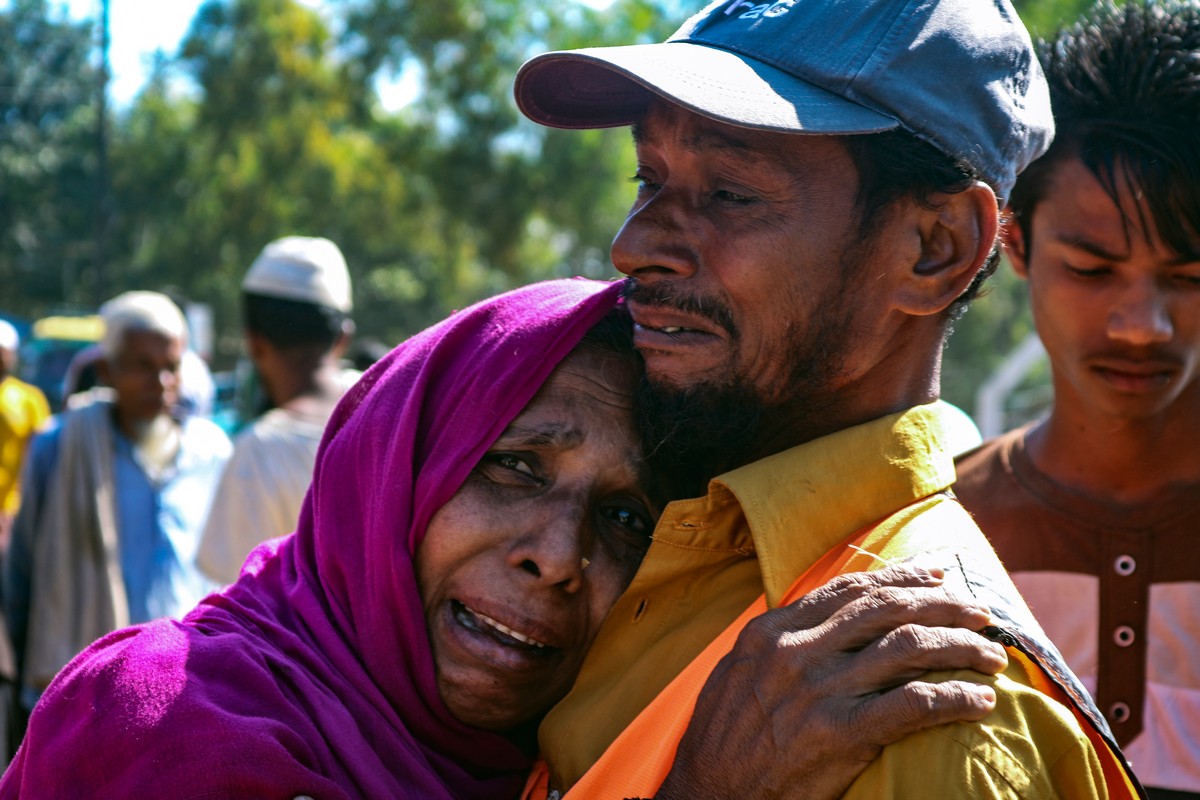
{"x": 1125, "y": 573}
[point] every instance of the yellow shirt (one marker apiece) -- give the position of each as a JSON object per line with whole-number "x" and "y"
{"x": 760, "y": 527}
{"x": 23, "y": 409}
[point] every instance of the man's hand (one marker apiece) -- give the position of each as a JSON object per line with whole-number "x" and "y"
{"x": 811, "y": 692}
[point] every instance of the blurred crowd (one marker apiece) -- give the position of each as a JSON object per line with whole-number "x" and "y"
{"x": 123, "y": 498}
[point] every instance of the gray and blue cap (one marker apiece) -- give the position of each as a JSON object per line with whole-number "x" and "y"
{"x": 960, "y": 74}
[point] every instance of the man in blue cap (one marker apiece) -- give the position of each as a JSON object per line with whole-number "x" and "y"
{"x": 818, "y": 194}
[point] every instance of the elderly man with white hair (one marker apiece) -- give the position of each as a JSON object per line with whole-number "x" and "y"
{"x": 116, "y": 491}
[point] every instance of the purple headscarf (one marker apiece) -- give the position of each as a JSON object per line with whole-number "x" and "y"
{"x": 312, "y": 675}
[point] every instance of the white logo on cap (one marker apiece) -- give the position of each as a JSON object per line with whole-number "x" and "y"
{"x": 756, "y": 10}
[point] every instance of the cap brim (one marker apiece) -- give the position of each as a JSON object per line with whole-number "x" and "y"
{"x": 606, "y": 87}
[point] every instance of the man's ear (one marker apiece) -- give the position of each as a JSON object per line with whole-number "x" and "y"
{"x": 342, "y": 342}
{"x": 1015, "y": 246}
{"x": 103, "y": 371}
{"x": 957, "y": 236}
{"x": 256, "y": 345}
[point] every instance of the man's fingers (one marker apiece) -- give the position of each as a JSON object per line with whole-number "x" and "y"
{"x": 912, "y": 650}
{"x": 891, "y": 716}
{"x": 864, "y": 620}
{"x": 826, "y": 600}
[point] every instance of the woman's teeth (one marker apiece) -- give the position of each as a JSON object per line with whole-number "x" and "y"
{"x": 507, "y": 631}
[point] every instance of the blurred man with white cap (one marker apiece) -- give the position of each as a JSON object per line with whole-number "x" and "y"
{"x": 818, "y": 197}
{"x": 117, "y": 491}
{"x": 296, "y": 314}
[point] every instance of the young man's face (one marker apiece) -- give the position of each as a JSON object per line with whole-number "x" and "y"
{"x": 747, "y": 258}
{"x": 1118, "y": 311}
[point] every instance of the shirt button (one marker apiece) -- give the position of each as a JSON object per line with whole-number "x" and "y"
{"x": 1124, "y": 565}
{"x": 1124, "y": 636}
{"x": 1118, "y": 712}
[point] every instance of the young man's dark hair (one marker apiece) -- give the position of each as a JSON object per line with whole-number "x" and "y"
{"x": 291, "y": 324}
{"x": 1125, "y": 89}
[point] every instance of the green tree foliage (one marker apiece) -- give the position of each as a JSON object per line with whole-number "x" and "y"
{"x": 453, "y": 197}
{"x": 47, "y": 170}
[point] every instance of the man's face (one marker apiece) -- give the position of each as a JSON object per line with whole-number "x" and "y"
{"x": 1118, "y": 310}
{"x": 747, "y": 257}
{"x": 145, "y": 375}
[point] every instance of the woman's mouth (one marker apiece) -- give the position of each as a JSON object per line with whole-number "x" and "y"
{"x": 482, "y": 623}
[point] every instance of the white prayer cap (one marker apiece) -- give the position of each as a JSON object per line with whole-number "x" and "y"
{"x": 140, "y": 311}
{"x": 303, "y": 268}
{"x": 9, "y": 339}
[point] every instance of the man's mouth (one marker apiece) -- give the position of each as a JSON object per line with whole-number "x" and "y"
{"x": 1135, "y": 375}
{"x": 478, "y": 621}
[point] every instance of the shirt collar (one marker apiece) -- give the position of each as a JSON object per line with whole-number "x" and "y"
{"x": 802, "y": 502}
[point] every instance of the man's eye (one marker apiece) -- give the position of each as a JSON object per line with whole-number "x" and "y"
{"x": 726, "y": 196}
{"x": 1088, "y": 272}
{"x": 643, "y": 183}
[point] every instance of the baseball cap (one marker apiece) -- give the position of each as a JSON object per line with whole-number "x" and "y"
{"x": 305, "y": 268}
{"x": 960, "y": 74}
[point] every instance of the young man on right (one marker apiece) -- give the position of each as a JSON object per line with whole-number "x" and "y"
{"x": 1093, "y": 509}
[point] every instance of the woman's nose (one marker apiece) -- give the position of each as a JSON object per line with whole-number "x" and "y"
{"x": 556, "y": 553}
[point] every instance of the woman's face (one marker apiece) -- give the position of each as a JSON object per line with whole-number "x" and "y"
{"x": 518, "y": 570}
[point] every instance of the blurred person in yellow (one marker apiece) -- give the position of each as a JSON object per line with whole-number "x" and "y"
{"x": 23, "y": 409}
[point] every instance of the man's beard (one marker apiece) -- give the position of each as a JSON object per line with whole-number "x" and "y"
{"x": 694, "y": 433}
{"x": 156, "y": 443}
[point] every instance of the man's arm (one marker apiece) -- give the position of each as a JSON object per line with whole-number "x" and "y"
{"x": 40, "y": 461}
{"x": 831, "y": 678}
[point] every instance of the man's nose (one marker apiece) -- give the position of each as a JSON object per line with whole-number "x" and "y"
{"x": 658, "y": 239}
{"x": 1141, "y": 316}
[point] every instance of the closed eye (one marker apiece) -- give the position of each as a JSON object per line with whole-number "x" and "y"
{"x": 726, "y": 196}
{"x": 1089, "y": 272}
{"x": 644, "y": 184}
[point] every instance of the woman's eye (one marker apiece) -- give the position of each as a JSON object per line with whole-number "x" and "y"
{"x": 633, "y": 522}
{"x": 507, "y": 468}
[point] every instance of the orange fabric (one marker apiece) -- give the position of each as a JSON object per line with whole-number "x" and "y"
{"x": 636, "y": 764}
{"x": 1116, "y": 778}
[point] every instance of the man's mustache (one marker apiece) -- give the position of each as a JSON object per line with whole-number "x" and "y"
{"x": 662, "y": 294}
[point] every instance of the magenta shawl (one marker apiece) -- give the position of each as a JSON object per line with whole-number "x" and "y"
{"x": 312, "y": 674}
